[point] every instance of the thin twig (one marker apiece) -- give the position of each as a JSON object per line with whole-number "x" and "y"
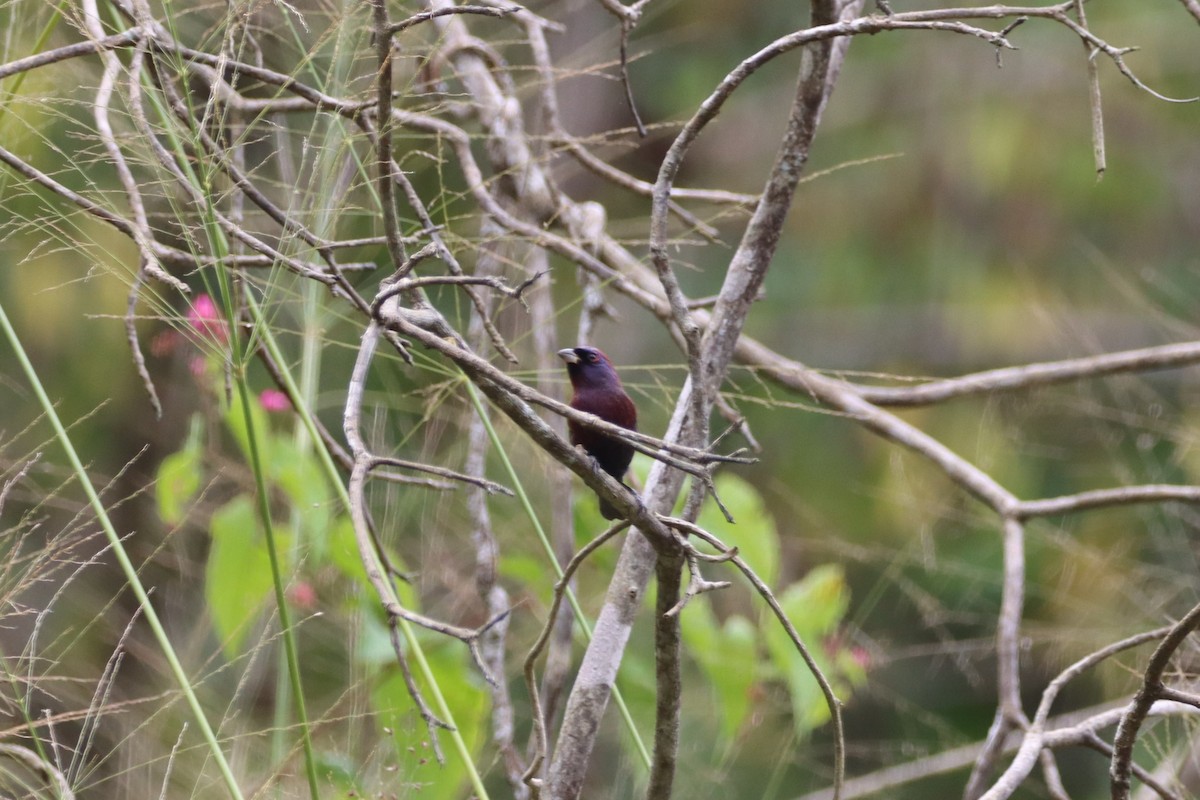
{"x": 1052, "y": 776}
{"x": 1105, "y": 498}
{"x": 372, "y": 557}
{"x": 35, "y": 762}
{"x": 1065, "y": 730}
{"x": 1094, "y": 97}
{"x": 425, "y": 16}
{"x": 114, "y": 42}
{"x": 135, "y": 347}
{"x": 491, "y": 487}
{"x": 627, "y": 28}
{"x": 1149, "y": 693}
{"x": 22, "y": 471}
{"x": 1031, "y": 376}
{"x": 1033, "y": 741}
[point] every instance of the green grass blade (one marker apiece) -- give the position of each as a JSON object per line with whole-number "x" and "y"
{"x": 118, "y": 548}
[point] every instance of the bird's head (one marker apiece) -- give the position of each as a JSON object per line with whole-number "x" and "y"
{"x": 588, "y": 366}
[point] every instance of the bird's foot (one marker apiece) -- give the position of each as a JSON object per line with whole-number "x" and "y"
{"x": 637, "y": 498}
{"x": 641, "y": 507}
{"x": 581, "y": 450}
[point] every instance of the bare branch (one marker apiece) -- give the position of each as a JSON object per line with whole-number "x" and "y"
{"x": 1066, "y": 730}
{"x": 490, "y": 487}
{"x": 697, "y": 584}
{"x": 627, "y": 28}
{"x": 114, "y": 42}
{"x": 1034, "y": 739}
{"x": 425, "y": 16}
{"x": 384, "y": 164}
{"x": 1094, "y": 96}
{"x": 1104, "y": 498}
{"x": 1149, "y": 693}
{"x": 371, "y": 553}
{"x": 135, "y": 347}
{"x": 44, "y": 180}
{"x": 404, "y": 285}
{"x": 1193, "y": 8}
{"x": 1052, "y": 776}
{"x": 1030, "y": 376}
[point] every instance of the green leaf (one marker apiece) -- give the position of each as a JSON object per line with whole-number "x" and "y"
{"x": 338, "y": 771}
{"x": 850, "y": 668}
{"x": 753, "y": 534}
{"x": 236, "y": 421}
{"x": 735, "y": 674}
{"x": 815, "y": 606}
{"x": 373, "y": 645}
{"x": 698, "y": 625}
{"x": 238, "y": 575}
{"x": 728, "y": 656}
{"x": 178, "y": 477}
{"x": 415, "y": 763}
{"x": 522, "y": 568}
{"x": 298, "y": 474}
{"x": 344, "y": 554}
{"x": 817, "y": 603}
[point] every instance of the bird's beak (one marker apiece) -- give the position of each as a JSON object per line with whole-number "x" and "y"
{"x": 568, "y": 355}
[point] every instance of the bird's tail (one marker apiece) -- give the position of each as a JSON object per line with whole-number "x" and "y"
{"x": 608, "y": 511}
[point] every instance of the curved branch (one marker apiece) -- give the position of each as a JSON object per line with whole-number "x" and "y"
{"x": 1033, "y": 741}
{"x": 1030, "y": 376}
{"x": 1105, "y": 498}
{"x": 1150, "y": 692}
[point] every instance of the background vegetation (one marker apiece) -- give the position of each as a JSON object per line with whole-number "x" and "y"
{"x": 950, "y": 220}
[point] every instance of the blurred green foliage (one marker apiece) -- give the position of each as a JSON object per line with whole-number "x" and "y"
{"x": 973, "y": 234}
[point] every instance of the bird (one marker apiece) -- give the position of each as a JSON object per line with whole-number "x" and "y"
{"x": 596, "y": 389}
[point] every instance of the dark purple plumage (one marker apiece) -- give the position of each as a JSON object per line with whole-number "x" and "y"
{"x": 598, "y": 390}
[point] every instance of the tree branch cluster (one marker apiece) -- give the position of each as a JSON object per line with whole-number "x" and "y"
{"x": 513, "y": 193}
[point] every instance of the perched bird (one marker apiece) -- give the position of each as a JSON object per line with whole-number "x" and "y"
{"x": 597, "y": 390}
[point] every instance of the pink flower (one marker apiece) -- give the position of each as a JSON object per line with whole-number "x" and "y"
{"x": 274, "y": 401}
{"x": 165, "y": 342}
{"x": 206, "y": 320}
{"x": 302, "y": 595}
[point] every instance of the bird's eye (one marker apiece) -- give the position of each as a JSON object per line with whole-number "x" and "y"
{"x": 590, "y": 358}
